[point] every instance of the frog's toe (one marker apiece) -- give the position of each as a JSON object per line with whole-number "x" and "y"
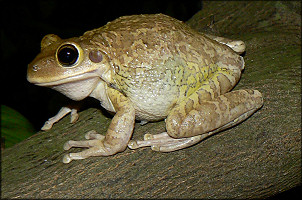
{"x": 148, "y": 136}
{"x": 67, "y": 159}
{"x": 74, "y": 116}
{"x": 132, "y": 144}
{"x": 143, "y": 122}
{"x": 67, "y": 146}
{"x": 47, "y": 125}
{"x": 161, "y": 136}
{"x": 93, "y": 151}
{"x": 94, "y": 135}
{"x": 95, "y": 148}
{"x": 93, "y": 139}
{"x": 176, "y": 144}
{"x": 149, "y": 140}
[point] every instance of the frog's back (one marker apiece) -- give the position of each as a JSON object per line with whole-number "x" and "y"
{"x": 143, "y": 40}
{"x": 155, "y": 57}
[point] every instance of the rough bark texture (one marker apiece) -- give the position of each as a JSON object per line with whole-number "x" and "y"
{"x": 258, "y": 158}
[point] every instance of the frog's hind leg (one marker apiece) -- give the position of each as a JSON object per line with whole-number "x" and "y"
{"x": 192, "y": 121}
{"x": 165, "y": 143}
{"x": 192, "y": 117}
{"x": 208, "y": 110}
{"x": 237, "y": 45}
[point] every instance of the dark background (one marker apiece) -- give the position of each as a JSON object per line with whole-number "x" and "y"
{"x": 23, "y": 25}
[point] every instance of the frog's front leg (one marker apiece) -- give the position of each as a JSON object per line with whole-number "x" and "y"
{"x": 118, "y": 133}
{"x": 62, "y": 112}
{"x": 193, "y": 120}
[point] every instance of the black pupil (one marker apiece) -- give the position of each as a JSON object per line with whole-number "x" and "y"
{"x": 68, "y": 55}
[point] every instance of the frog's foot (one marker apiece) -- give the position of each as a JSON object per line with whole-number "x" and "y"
{"x": 237, "y": 45}
{"x": 62, "y": 112}
{"x": 143, "y": 122}
{"x": 164, "y": 143}
{"x": 94, "y": 143}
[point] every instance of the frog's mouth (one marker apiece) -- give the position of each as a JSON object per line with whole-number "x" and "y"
{"x": 71, "y": 79}
{"x": 76, "y": 87}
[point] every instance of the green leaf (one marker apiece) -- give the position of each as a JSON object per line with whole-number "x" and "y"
{"x": 14, "y": 126}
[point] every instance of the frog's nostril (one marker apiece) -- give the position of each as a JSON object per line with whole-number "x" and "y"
{"x": 35, "y": 68}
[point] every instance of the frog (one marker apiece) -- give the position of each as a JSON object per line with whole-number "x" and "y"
{"x": 147, "y": 67}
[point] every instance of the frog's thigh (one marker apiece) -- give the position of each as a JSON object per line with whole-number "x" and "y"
{"x": 193, "y": 117}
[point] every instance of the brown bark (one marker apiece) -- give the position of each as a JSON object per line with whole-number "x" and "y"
{"x": 258, "y": 158}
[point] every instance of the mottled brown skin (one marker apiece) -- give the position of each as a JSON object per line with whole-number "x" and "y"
{"x": 148, "y": 67}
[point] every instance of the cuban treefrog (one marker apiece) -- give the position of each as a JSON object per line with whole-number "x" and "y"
{"x": 149, "y": 68}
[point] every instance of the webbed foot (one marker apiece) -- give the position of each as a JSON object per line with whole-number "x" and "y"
{"x": 165, "y": 143}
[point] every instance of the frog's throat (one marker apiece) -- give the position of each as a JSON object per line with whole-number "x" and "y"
{"x": 75, "y": 87}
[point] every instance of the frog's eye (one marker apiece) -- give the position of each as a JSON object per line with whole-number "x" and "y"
{"x": 67, "y": 55}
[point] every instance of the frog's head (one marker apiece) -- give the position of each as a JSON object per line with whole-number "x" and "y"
{"x": 71, "y": 66}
